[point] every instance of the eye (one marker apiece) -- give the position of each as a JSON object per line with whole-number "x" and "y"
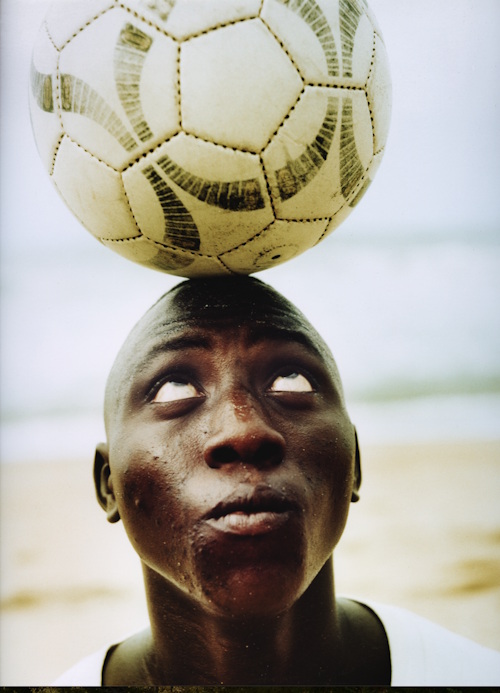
{"x": 174, "y": 390}
{"x": 291, "y": 382}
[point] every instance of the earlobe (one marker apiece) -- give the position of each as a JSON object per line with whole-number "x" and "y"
{"x": 357, "y": 471}
{"x": 104, "y": 483}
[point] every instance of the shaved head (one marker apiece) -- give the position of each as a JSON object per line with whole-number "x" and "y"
{"x": 217, "y": 303}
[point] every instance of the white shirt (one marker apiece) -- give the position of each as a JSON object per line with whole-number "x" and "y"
{"x": 422, "y": 654}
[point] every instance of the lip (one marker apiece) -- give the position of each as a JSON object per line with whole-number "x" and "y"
{"x": 251, "y": 512}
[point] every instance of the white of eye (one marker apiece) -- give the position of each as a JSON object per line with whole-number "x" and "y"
{"x": 292, "y": 382}
{"x": 171, "y": 391}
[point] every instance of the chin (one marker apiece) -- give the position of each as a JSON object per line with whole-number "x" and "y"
{"x": 256, "y": 592}
{"x": 250, "y": 575}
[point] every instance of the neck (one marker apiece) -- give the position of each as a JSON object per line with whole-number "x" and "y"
{"x": 192, "y": 646}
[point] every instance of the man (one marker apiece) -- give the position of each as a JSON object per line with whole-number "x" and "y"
{"x": 232, "y": 462}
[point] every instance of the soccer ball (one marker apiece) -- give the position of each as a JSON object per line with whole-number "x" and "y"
{"x": 203, "y": 137}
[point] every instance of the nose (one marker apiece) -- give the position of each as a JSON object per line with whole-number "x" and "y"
{"x": 242, "y": 435}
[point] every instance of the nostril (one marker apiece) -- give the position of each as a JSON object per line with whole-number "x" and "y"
{"x": 224, "y": 454}
{"x": 265, "y": 454}
{"x": 268, "y": 454}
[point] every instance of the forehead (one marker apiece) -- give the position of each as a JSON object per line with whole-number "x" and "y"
{"x": 249, "y": 309}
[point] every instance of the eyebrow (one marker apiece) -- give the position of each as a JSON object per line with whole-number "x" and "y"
{"x": 284, "y": 334}
{"x": 257, "y": 333}
{"x": 173, "y": 344}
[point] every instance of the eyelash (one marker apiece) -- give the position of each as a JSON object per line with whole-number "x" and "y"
{"x": 188, "y": 379}
{"x": 172, "y": 377}
{"x": 289, "y": 370}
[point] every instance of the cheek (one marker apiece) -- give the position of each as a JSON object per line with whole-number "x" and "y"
{"x": 149, "y": 495}
{"x": 146, "y": 499}
{"x": 147, "y": 472}
{"x": 327, "y": 453}
{"x": 328, "y": 468}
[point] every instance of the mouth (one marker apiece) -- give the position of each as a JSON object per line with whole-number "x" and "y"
{"x": 258, "y": 511}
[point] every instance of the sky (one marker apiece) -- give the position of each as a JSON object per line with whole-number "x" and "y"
{"x": 61, "y": 322}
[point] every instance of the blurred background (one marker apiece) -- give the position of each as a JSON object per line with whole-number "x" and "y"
{"x": 406, "y": 292}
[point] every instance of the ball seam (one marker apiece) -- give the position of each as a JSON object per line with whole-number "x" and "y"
{"x": 85, "y": 25}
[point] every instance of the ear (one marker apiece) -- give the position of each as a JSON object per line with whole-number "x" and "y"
{"x": 104, "y": 483}
{"x": 357, "y": 471}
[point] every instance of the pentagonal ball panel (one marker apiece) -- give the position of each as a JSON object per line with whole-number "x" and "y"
{"x": 237, "y": 85}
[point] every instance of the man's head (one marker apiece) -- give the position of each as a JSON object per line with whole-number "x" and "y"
{"x": 230, "y": 456}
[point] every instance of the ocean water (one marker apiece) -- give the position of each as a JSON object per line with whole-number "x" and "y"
{"x": 412, "y": 318}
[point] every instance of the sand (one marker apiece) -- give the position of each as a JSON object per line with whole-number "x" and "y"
{"x": 425, "y": 536}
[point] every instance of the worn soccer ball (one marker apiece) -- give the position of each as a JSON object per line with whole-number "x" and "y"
{"x": 203, "y": 137}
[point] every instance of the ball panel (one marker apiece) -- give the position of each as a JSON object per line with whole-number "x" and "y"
{"x": 177, "y": 227}
{"x": 296, "y": 159}
{"x": 308, "y": 32}
{"x": 335, "y": 221}
{"x": 356, "y": 33}
{"x": 94, "y": 192}
{"x": 147, "y": 82}
{"x": 44, "y": 118}
{"x": 65, "y": 19}
{"x": 316, "y": 176}
{"x": 330, "y": 42}
{"x": 191, "y": 17}
{"x": 157, "y": 209}
{"x": 379, "y": 95}
{"x": 356, "y": 143}
{"x": 145, "y": 252}
{"x": 357, "y": 60}
{"x": 372, "y": 18}
{"x": 279, "y": 242}
{"x": 164, "y": 259}
{"x": 377, "y": 160}
{"x": 188, "y": 184}
{"x": 357, "y": 123}
{"x": 103, "y": 99}
{"x": 221, "y": 88}
{"x": 367, "y": 181}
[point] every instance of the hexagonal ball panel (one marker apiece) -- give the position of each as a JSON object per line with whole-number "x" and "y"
{"x": 379, "y": 95}
{"x": 187, "y": 18}
{"x": 330, "y": 42}
{"x": 121, "y": 99}
{"x": 43, "y": 99}
{"x": 94, "y": 192}
{"x": 197, "y": 196}
{"x": 64, "y": 20}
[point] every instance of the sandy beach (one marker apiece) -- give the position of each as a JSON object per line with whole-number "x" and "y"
{"x": 425, "y": 536}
